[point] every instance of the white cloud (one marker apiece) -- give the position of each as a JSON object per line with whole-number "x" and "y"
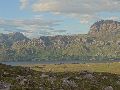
{"x": 2, "y": 21}
{"x": 33, "y": 27}
{"x": 24, "y": 4}
{"x": 113, "y": 18}
{"x": 38, "y": 17}
{"x": 78, "y": 7}
{"x": 82, "y": 10}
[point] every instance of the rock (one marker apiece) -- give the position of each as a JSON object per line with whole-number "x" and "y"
{"x": 41, "y": 88}
{"x": 69, "y": 83}
{"x": 104, "y": 77}
{"x": 4, "y": 86}
{"x": 19, "y": 78}
{"x": 22, "y": 82}
{"x": 118, "y": 82}
{"x": 109, "y": 88}
{"x": 88, "y": 76}
{"x": 44, "y": 76}
{"x": 84, "y": 72}
{"x": 104, "y": 26}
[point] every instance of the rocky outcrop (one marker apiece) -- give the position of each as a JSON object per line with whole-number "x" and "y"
{"x": 104, "y": 27}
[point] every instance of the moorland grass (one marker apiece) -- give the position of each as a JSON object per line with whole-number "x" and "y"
{"x": 94, "y": 67}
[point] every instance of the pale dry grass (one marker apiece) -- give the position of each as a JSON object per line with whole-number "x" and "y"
{"x": 94, "y": 67}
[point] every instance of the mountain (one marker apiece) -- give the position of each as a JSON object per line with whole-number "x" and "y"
{"x": 105, "y": 29}
{"x": 9, "y": 39}
{"x": 101, "y": 43}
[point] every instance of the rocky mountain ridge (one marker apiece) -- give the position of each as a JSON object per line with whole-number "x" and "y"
{"x": 102, "y": 42}
{"x": 104, "y": 26}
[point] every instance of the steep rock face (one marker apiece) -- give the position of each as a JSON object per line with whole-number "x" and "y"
{"x": 9, "y": 39}
{"x": 104, "y": 27}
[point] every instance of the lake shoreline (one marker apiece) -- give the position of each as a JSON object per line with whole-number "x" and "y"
{"x": 19, "y": 63}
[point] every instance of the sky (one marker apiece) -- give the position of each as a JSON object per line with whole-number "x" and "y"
{"x": 36, "y": 18}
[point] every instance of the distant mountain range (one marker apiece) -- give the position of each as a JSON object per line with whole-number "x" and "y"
{"x": 101, "y": 43}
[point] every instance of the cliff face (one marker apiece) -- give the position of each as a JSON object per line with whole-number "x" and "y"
{"x": 104, "y": 27}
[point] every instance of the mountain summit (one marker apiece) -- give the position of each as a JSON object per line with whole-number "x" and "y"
{"x": 104, "y": 27}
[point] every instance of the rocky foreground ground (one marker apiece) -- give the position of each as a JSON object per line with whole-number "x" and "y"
{"x": 19, "y": 78}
